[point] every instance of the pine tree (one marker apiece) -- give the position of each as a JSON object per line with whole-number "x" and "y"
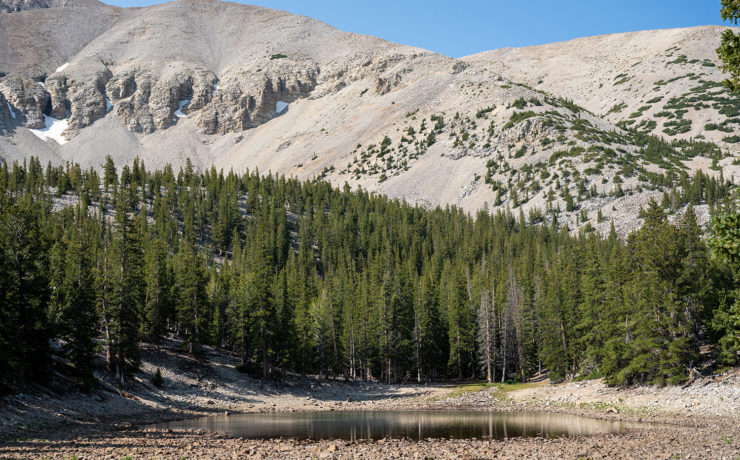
{"x": 123, "y": 288}
{"x": 285, "y": 333}
{"x": 460, "y": 322}
{"x": 725, "y": 244}
{"x": 556, "y": 346}
{"x": 192, "y": 306}
{"x": 23, "y": 296}
{"x": 74, "y": 299}
{"x": 109, "y": 173}
{"x": 157, "y": 278}
{"x": 428, "y": 330}
{"x": 315, "y": 279}
{"x": 662, "y": 343}
{"x": 589, "y": 328}
{"x": 259, "y": 304}
{"x": 730, "y": 44}
{"x": 510, "y": 337}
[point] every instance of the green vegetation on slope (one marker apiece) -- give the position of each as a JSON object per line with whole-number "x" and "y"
{"x": 302, "y": 277}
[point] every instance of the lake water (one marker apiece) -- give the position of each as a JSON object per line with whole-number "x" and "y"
{"x": 354, "y": 425}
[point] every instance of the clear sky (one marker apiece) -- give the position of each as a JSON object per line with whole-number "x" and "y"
{"x": 463, "y": 27}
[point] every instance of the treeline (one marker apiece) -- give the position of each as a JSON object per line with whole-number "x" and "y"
{"x": 302, "y": 277}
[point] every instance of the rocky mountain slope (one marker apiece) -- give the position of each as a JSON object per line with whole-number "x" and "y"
{"x": 632, "y": 79}
{"x": 238, "y": 86}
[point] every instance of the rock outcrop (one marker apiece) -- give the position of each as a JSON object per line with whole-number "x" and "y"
{"x": 4, "y": 110}
{"x": 248, "y": 96}
{"x": 29, "y": 98}
{"x": 146, "y": 100}
{"x": 78, "y": 93}
{"x": 15, "y": 6}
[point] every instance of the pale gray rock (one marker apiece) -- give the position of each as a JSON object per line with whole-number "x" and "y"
{"x": 4, "y": 111}
{"x": 16, "y": 6}
{"x": 29, "y": 98}
{"x": 247, "y": 97}
{"x": 146, "y": 101}
{"x": 78, "y": 93}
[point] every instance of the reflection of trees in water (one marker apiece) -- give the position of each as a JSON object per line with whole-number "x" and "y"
{"x": 354, "y": 425}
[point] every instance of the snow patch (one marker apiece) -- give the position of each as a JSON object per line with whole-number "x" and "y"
{"x": 108, "y": 105}
{"x": 42, "y": 84}
{"x": 181, "y": 105}
{"x": 53, "y": 130}
{"x": 12, "y": 113}
{"x": 280, "y": 106}
{"x": 215, "y": 89}
{"x": 62, "y": 67}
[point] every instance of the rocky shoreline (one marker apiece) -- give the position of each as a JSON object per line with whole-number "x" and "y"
{"x": 712, "y": 440}
{"x": 697, "y": 421}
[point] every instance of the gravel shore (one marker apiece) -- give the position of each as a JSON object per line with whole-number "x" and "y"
{"x": 701, "y": 420}
{"x": 714, "y": 441}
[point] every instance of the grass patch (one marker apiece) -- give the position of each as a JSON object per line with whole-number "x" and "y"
{"x": 460, "y": 390}
{"x": 502, "y": 388}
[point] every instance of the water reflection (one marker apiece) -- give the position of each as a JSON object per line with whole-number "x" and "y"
{"x": 354, "y": 425}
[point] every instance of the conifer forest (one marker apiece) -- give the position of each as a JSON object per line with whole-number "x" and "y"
{"x": 303, "y": 278}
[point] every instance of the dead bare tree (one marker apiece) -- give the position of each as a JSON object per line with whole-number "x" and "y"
{"x": 487, "y": 332}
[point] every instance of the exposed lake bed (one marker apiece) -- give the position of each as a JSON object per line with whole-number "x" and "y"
{"x": 704, "y": 439}
{"x": 697, "y": 421}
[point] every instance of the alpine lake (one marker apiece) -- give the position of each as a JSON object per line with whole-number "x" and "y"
{"x": 405, "y": 424}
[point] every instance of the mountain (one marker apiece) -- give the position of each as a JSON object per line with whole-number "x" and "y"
{"x": 564, "y": 126}
{"x": 643, "y": 73}
{"x": 45, "y": 32}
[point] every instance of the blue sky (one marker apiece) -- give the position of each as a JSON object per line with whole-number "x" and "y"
{"x": 463, "y": 27}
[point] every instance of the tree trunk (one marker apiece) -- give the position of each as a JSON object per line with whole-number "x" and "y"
{"x": 504, "y": 344}
{"x": 352, "y": 364}
{"x": 459, "y": 357}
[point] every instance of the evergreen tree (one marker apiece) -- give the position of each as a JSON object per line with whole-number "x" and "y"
{"x": 729, "y": 48}
{"x": 725, "y": 243}
{"x": 109, "y": 173}
{"x": 313, "y": 279}
{"x": 192, "y": 301}
{"x": 158, "y": 279}
{"x": 428, "y": 330}
{"x": 123, "y": 287}
{"x": 460, "y": 323}
{"x": 73, "y": 301}
{"x": 24, "y": 293}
